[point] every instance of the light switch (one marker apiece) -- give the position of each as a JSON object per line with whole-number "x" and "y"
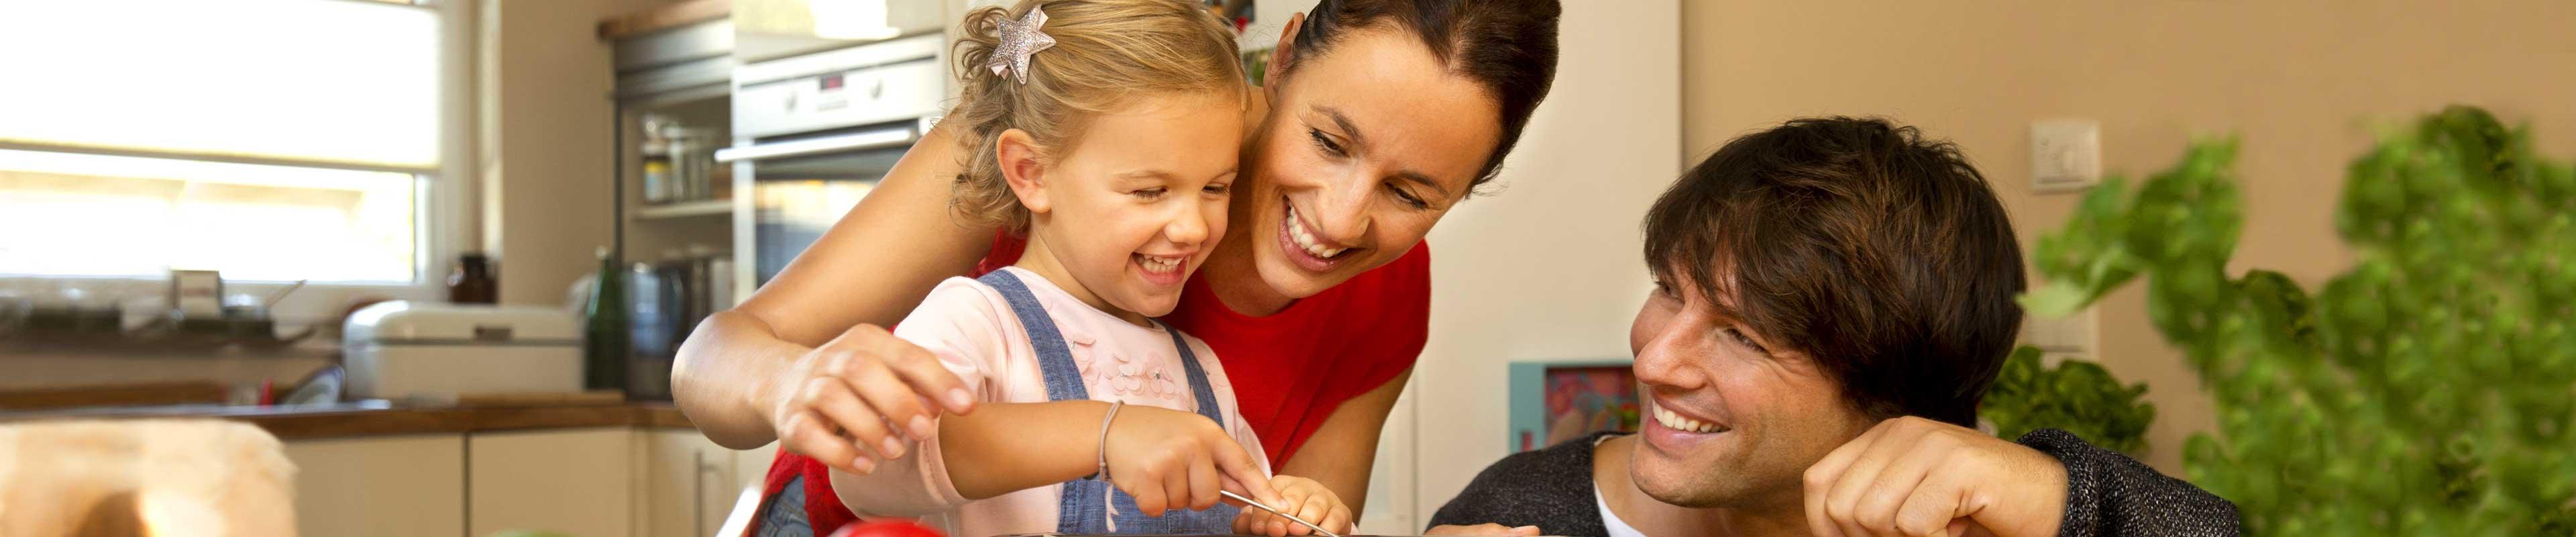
{"x": 2073, "y": 335}
{"x": 2065, "y": 155}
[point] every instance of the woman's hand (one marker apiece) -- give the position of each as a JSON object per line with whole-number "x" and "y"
{"x": 1304, "y": 498}
{"x": 1914, "y": 476}
{"x": 1169, "y": 459}
{"x": 1483, "y": 529}
{"x": 860, "y": 399}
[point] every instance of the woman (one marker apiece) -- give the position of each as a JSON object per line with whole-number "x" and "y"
{"x": 1380, "y": 116}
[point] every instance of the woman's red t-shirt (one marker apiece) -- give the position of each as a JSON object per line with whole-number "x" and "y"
{"x": 1290, "y": 369}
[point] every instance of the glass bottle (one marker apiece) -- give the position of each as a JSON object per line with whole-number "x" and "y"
{"x": 472, "y": 282}
{"x": 605, "y": 328}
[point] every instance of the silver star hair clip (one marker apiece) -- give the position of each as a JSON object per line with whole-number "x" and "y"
{"x": 1020, "y": 39}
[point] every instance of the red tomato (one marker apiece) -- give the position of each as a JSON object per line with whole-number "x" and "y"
{"x": 887, "y": 528}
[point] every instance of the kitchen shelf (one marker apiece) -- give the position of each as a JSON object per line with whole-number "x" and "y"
{"x": 663, "y": 18}
{"x": 686, "y": 209}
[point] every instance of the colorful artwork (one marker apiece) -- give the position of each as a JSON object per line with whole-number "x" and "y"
{"x": 1553, "y": 402}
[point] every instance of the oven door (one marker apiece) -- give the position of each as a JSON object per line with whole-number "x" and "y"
{"x": 790, "y": 189}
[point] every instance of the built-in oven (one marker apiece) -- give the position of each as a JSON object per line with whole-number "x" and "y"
{"x": 813, "y": 133}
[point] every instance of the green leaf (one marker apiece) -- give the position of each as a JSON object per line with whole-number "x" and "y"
{"x": 2424, "y": 391}
{"x": 2055, "y": 300}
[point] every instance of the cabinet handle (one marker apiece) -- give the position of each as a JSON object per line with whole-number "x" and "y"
{"x": 860, "y": 141}
{"x": 698, "y": 492}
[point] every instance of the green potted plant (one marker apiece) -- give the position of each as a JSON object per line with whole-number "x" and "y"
{"x": 2427, "y": 390}
{"x": 2076, "y": 395}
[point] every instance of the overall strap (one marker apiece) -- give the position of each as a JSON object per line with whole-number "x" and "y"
{"x": 1199, "y": 388}
{"x": 1055, "y": 360}
{"x": 1083, "y": 499}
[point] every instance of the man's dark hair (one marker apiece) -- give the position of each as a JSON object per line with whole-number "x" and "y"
{"x": 1506, "y": 46}
{"x": 1881, "y": 255}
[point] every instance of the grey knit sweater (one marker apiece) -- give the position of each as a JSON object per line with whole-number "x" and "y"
{"x": 2107, "y": 494}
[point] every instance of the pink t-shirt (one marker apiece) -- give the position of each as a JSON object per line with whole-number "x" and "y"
{"x": 972, "y": 330}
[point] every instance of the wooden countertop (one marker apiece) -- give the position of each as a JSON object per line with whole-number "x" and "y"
{"x": 292, "y": 423}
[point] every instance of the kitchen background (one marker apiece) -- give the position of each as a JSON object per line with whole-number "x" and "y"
{"x": 364, "y": 148}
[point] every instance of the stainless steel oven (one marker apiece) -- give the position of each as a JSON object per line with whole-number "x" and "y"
{"x": 813, "y": 133}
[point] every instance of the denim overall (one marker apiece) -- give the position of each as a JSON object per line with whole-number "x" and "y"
{"x": 1091, "y": 506}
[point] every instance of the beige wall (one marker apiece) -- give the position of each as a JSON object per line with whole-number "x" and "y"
{"x": 2303, "y": 82}
{"x": 545, "y": 129}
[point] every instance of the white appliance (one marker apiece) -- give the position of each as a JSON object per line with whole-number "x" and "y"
{"x": 435, "y": 351}
{"x": 814, "y": 133}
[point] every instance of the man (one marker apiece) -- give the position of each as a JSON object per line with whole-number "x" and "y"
{"x": 1833, "y": 298}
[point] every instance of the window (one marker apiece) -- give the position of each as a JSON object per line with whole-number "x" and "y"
{"x": 77, "y": 214}
{"x": 272, "y": 140}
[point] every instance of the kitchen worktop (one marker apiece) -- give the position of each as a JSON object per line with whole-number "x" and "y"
{"x": 379, "y": 418}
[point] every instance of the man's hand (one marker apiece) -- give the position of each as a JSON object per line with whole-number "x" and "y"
{"x": 1914, "y": 476}
{"x": 1483, "y": 529}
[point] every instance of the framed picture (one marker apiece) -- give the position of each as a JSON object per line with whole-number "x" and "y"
{"x": 1556, "y": 401}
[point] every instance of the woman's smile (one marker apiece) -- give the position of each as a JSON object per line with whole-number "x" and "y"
{"x": 1309, "y": 249}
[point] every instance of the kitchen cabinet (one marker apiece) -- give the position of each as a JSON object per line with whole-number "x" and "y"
{"x": 751, "y": 468}
{"x": 660, "y": 482}
{"x": 673, "y": 110}
{"x": 574, "y": 481}
{"x": 391, "y": 486}
{"x": 689, "y": 486}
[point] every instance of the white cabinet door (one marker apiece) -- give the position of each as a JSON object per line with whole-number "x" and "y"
{"x": 390, "y": 486}
{"x": 751, "y": 470}
{"x": 578, "y": 482}
{"x": 751, "y": 466}
{"x": 689, "y": 483}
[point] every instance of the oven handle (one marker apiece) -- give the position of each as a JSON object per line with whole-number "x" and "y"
{"x": 857, "y": 141}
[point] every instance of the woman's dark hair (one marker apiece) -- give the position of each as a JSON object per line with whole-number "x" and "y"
{"x": 1882, "y": 256}
{"x": 1506, "y": 46}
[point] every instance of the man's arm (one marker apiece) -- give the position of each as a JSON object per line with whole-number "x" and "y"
{"x": 2110, "y": 494}
{"x": 1915, "y": 476}
{"x": 1550, "y": 489}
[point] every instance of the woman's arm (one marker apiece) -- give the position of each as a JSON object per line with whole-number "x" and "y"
{"x": 1342, "y": 450}
{"x": 744, "y": 371}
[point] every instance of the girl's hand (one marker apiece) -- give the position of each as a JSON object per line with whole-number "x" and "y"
{"x": 860, "y": 398}
{"x": 1169, "y": 459}
{"x": 1302, "y": 497}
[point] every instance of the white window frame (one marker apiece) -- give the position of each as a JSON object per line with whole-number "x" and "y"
{"x": 441, "y": 201}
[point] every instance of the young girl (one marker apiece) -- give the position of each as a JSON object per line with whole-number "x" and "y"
{"x": 1106, "y": 132}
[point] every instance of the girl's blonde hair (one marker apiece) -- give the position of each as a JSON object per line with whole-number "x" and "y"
{"x": 1106, "y": 53}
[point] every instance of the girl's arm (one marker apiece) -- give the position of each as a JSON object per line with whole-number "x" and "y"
{"x": 809, "y": 336}
{"x": 1006, "y": 447}
{"x": 1002, "y": 447}
{"x": 1342, "y": 450}
{"x": 1166, "y": 459}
